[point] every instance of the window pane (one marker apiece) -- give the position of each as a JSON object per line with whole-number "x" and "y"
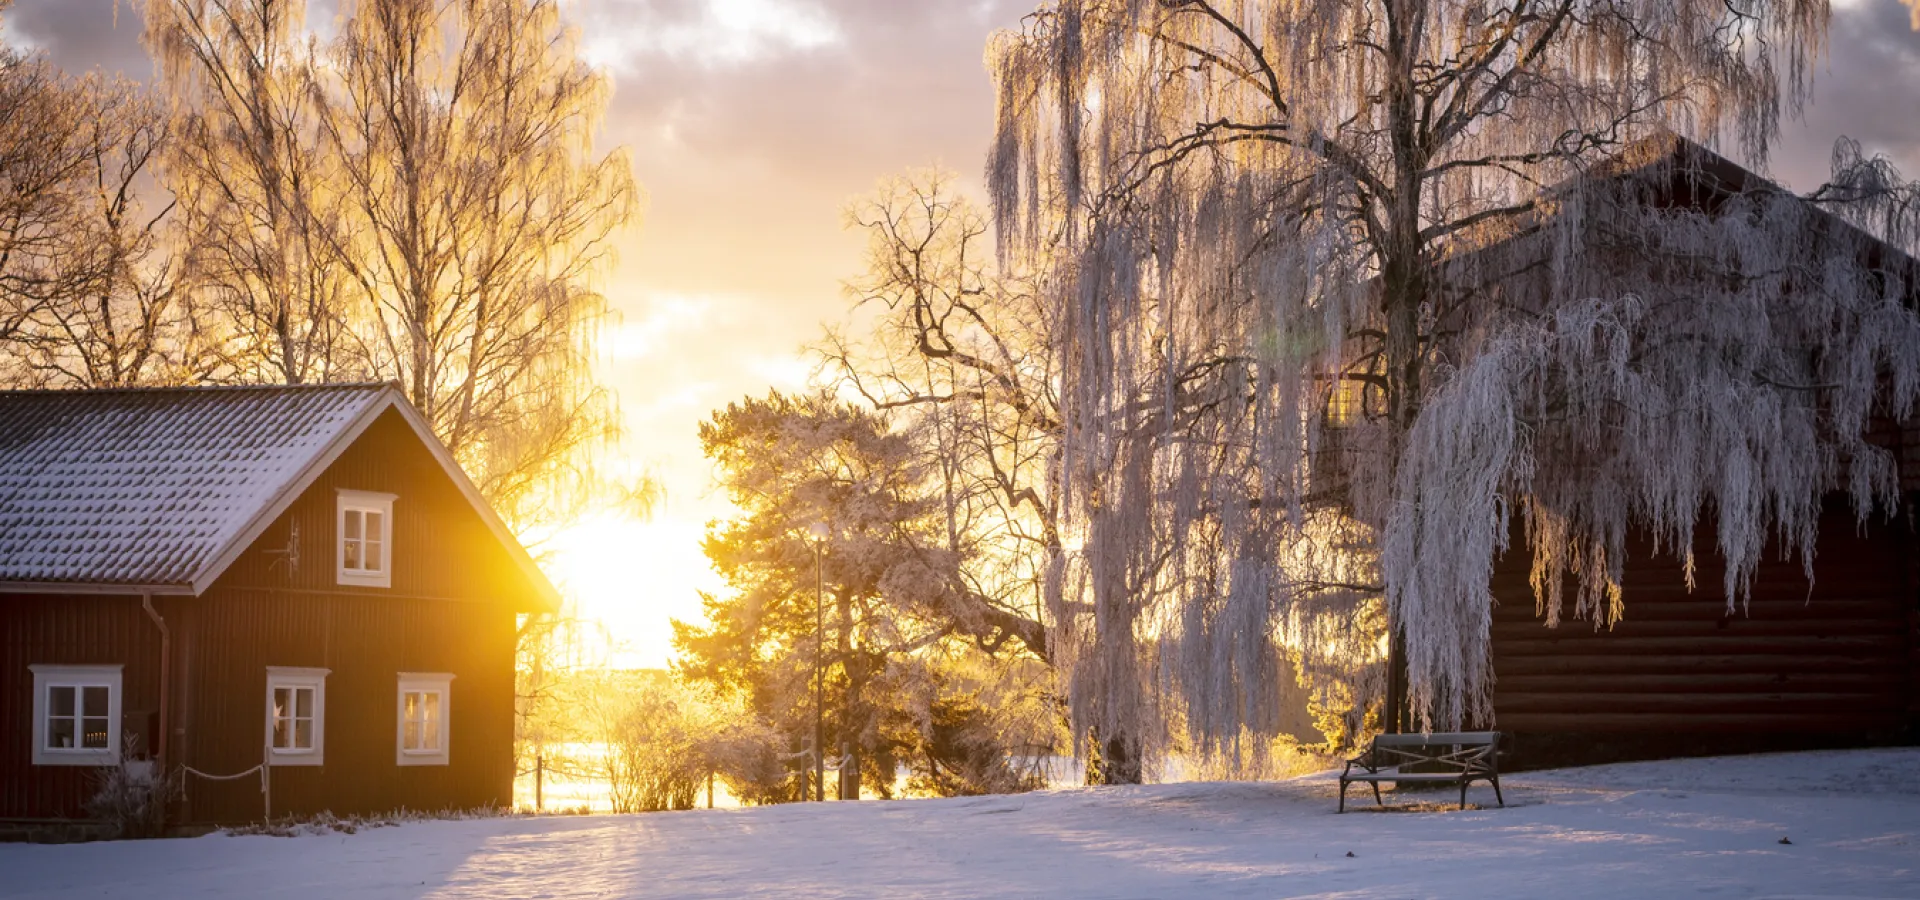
{"x": 303, "y": 703}
{"x": 353, "y": 524}
{"x": 431, "y": 739}
{"x": 282, "y": 733}
{"x": 413, "y": 706}
{"x": 373, "y": 556}
{"x": 432, "y": 699}
{"x": 93, "y": 734}
{"x": 281, "y": 702}
{"x": 94, "y": 698}
{"x": 410, "y": 738}
{"x": 59, "y": 732}
{"x": 303, "y": 734}
{"x": 60, "y": 701}
{"x": 352, "y": 554}
{"x": 373, "y": 526}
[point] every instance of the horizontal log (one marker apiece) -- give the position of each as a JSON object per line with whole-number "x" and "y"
{"x": 1698, "y": 723}
{"x": 1707, "y": 590}
{"x": 1888, "y": 609}
{"x": 1585, "y": 664}
{"x": 1704, "y": 630}
{"x": 1887, "y": 703}
{"x": 1833, "y": 571}
{"x": 1889, "y": 679}
{"x": 1732, "y": 644}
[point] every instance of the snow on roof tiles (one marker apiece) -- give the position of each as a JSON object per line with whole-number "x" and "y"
{"x": 146, "y": 487}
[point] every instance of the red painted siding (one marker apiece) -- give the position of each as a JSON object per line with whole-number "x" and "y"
{"x": 364, "y": 642}
{"x": 72, "y": 630}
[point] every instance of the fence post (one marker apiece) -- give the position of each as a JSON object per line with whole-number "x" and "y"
{"x": 266, "y": 778}
{"x": 539, "y": 777}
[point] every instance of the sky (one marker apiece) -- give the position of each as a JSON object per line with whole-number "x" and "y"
{"x": 750, "y": 124}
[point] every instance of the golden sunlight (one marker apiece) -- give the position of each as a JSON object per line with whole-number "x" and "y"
{"x": 631, "y": 576}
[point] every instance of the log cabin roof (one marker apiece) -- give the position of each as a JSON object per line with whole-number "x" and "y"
{"x": 159, "y": 489}
{"x": 1670, "y": 171}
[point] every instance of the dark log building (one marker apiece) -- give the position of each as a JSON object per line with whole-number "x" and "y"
{"x": 1829, "y": 662}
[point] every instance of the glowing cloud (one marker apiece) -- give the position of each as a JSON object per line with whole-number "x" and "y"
{"x": 620, "y": 33}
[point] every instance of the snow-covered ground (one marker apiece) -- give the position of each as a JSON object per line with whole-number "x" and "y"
{"x": 1668, "y": 829}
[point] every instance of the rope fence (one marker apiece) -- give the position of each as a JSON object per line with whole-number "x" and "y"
{"x": 266, "y": 783}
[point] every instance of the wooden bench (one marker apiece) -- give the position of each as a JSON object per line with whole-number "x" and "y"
{"x": 1458, "y": 757}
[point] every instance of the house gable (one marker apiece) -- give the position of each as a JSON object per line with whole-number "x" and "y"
{"x": 442, "y": 547}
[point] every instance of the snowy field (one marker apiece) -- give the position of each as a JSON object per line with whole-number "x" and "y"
{"x": 1706, "y": 828}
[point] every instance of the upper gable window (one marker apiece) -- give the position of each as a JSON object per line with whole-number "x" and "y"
{"x": 76, "y": 715}
{"x": 365, "y": 529}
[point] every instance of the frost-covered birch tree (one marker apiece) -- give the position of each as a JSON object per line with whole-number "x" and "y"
{"x": 417, "y": 199}
{"x": 123, "y": 322}
{"x": 1346, "y": 283}
{"x": 477, "y": 215}
{"x": 244, "y": 163}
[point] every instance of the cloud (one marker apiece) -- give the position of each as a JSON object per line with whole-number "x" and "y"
{"x": 665, "y": 320}
{"x": 1868, "y": 89}
{"x": 82, "y": 35}
{"x": 620, "y": 33}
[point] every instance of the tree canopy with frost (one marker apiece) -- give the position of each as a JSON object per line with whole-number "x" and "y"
{"x": 1340, "y": 285}
{"x": 417, "y": 199}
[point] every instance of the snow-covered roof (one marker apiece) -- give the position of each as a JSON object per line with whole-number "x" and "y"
{"x": 159, "y": 489}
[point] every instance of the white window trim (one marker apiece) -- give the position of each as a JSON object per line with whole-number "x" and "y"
{"x": 297, "y": 677}
{"x": 441, "y": 683}
{"x": 367, "y": 501}
{"x": 47, "y": 677}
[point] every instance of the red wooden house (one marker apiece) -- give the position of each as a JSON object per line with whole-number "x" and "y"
{"x": 215, "y": 579}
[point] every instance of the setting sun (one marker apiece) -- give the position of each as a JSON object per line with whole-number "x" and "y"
{"x": 632, "y": 576}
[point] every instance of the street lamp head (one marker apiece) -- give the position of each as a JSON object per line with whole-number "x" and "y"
{"x": 818, "y": 531}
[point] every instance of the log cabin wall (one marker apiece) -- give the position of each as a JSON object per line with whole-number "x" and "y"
{"x": 1828, "y": 664}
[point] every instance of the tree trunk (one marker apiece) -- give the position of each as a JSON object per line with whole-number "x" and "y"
{"x": 1114, "y": 756}
{"x": 851, "y": 717}
{"x": 1114, "y": 760}
{"x": 1403, "y": 286}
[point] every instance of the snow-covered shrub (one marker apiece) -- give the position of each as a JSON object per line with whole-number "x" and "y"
{"x": 655, "y": 750}
{"x": 747, "y": 755}
{"x": 131, "y": 798}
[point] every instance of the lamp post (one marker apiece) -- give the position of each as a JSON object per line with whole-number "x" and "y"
{"x": 818, "y": 531}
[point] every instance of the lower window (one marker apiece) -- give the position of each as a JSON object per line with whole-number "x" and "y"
{"x": 423, "y": 708}
{"x": 296, "y": 716}
{"x": 76, "y": 715}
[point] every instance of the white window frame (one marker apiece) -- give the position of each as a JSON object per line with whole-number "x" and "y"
{"x": 363, "y": 502}
{"x": 298, "y": 678}
{"x": 423, "y": 682}
{"x": 45, "y": 679}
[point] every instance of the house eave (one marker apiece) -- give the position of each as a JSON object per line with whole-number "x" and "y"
{"x": 545, "y": 599}
{"x": 96, "y": 588}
